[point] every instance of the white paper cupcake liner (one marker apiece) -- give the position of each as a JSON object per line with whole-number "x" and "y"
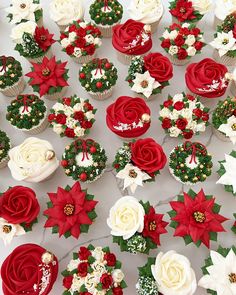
{"x": 225, "y": 60}
{"x": 15, "y": 89}
{"x": 57, "y": 95}
{"x": 40, "y": 128}
{"x": 125, "y": 58}
{"x": 233, "y": 88}
{"x": 178, "y": 62}
{"x": 39, "y": 59}
{"x": 127, "y": 139}
{"x": 83, "y": 59}
{"x": 155, "y": 25}
{"x": 4, "y": 162}
{"x": 221, "y": 135}
{"x": 217, "y": 22}
{"x": 107, "y": 31}
{"x": 152, "y": 97}
{"x": 102, "y": 96}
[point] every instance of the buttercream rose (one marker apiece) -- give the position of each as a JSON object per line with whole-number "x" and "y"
{"x": 207, "y": 78}
{"x": 126, "y": 217}
{"x": 173, "y": 274}
{"x": 19, "y": 30}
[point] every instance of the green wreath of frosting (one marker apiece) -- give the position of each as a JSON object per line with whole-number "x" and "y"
{"x": 10, "y": 71}
{"x": 5, "y": 145}
{"x": 224, "y": 110}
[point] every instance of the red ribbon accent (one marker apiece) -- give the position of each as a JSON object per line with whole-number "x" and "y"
{"x": 99, "y": 62}
{"x": 25, "y": 99}
{"x": 4, "y": 59}
{"x": 84, "y": 145}
{"x": 105, "y": 5}
{"x": 195, "y": 149}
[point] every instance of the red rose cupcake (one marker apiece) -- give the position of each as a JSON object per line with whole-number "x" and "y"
{"x": 128, "y": 117}
{"x": 29, "y": 269}
{"x": 131, "y": 39}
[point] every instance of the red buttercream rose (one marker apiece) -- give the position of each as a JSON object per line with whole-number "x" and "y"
{"x": 124, "y": 35}
{"x": 106, "y": 281}
{"x": 110, "y": 258}
{"x": 188, "y": 134}
{"x": 79, "y": 116}
{"x": 207, "y": 78}
{"x": 84, "y": 253}
{"x": 197, "y": 112}
{"x": 179, "y": 40}
{"x": 117, "y": 291}
{"x": 168, "y": 103}
{"x": 205, "y": 116}
{"x": 70, "y": 49}
{"x": 179, "y": 105}
{"x": 166, "y": 43}
{"x": 159, "y": 67}
{"x": 21, "y": 271}
{"x": 61, "y": 119}
{"x": 198, "y": 45}
{"x": 51, "y": 117}
{"x": 148, "y": 155}
{"x": 83, "y": 269}
{"x": 69, "y": 132}
{"x": 181, "y": 123}
{"x": 182, "y": 54}
{"x": 166, "y": 123}
{"x": 124, "y": 113}
{"x": 67, "y": 282}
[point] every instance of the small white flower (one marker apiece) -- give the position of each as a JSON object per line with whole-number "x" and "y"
{"x": 77, "y": 282}
{"x": 65, "y": 42}
{"x": 71, "y": 123}
{"x": 79, "y": 131}
{"x": 178, "y": 97}
{"x": 89, "y": 115}
{"x": 174, "y": 115}
{"x": 8, "y": 231}
{"x": 229, "y": 129}
{"x": 77, "y": 52}
{"x": 228, "y": 178}
{"x": 165, "y": 113}
{"x": 98, "y": 254}
{"x": 78, "y": 107}
{"x": 57, "y": 128}
{"x": 72, "y": 36}
{"x": 191, "y": 51}
{"x": 83, "y": 24}
{"x": 186, "y": 113}
{"x": 89, "y": 39}
{"x": 170, "y": 35}
{"x": 58, "y": 107}
{"x": 224, "y": 42}
{"x": 174, "y": 131}
{"x": 19, "y": 30}
{"x": 190, "y": 40}
{"x": 117, "y": 276}
{"x": 173, "y": 50}
{"x": 185, "y": 25}
{"x": 73, "y": 264}
{"x": 97, "y": 41}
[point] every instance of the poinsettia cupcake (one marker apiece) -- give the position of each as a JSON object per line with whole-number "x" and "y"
{"x": 148, "y": 75}
{"x": 223, "y": 8}
{"x": 12, "y": 80}
{"x": 28, "y": 113}
{"x": 80, "y": 41}
{"x": 183, "y": 116}
{"x": 32, "y": 42}
{"x": 128, "y": 117}
{"x": 19, "y": 209}
{"x": 93, "y": 271}
{"x": 5, "y": 146}
{"x": 190, "y": 163}
{"x": 84, "y": 160}
{"x": 182, "y": 42}
{"x": 28, "y": 268}
{"x": 145, "y": 225}
{"x": 98, "y": 77}
{"x": 131, "y": 39}
{"x": 106, "y": 14}
{"x": 49, "y": 78}
{"x": 168, "y": 273}
{"x": 138, "y": 162}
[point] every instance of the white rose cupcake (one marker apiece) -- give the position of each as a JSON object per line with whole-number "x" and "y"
{"x": 222, "y": 9}
{"x": 32, "y": 161}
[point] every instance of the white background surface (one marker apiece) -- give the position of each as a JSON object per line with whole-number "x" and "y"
{"x": 105, "y": 189}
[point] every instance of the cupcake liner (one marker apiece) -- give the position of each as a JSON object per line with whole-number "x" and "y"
{"x": 233, "y": 88}
{"x": 83, "y": 59}
{"x": 103, "y": 95}
{"x": 152, "y": 97}
{"x": 221, "y": 135}
{"x": 15, "y": 89}
{"x": 39, "y": 59}
{"x": 57, "y": 95}
{"x": 39, "y": 128}
{"x": 127, "y": 139}
{"x": 4, "y": 162}
{"x": 217, "y": 22}
{"x": 225, "y": 60}
{"x": 107, "y": 31}
{"x": 177, "y": 61}
{"x": 125, "y": 58}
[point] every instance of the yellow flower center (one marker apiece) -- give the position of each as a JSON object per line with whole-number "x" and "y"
{"x": 46, "y": 72}
{"x": 132, "y": 173}
{"x": 182, "y": 10}
{"x": 69, "y": 209}
{"x": 152, "y": 226}
{"x": 199, "y": 216}
{"x": 144, "y": 84}
{"x": 23, "y": 6}
{"x": 232, "y": 278}
{"x": 225, "y": 41}
{"x": 233, "y": 127}
{"x": 6, "y": 229}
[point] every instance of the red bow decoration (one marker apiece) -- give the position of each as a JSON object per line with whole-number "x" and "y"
{"x": 106, "y": 5}
{"x": 84, "y": 145}
{"x": 25, "y": 100}
{"x": 99, "y": 62}
{"x": 4, "y": 59}
{"x": 195, "y": 149}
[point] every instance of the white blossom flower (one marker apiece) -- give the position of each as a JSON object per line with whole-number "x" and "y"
{"x": 173, "y": 50}
{"x": 174, "y": 131}
{"x": 229, "y": 129}
{"x": 65, "y": 42}
{"x": 191, "y": 51}
{"x": 19, "y": 30}
{"x": 224, "y": 42}
{"x": 77, "y": 52}
{"x": 170, "y": 35}
{"x": 8, "y": 231}
{"x": 117, "y": 275}
{"x": 190, "y": 40}
{"x": 89, "y": 39}
{"x": 57, "y": 128}
{"x": 79, "y": 131}
{"x": 72, "y": 36}
{"x": 165, "y": 112}
{"x": 178, "y": 97}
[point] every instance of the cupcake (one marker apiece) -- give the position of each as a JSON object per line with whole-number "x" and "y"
{"x": 19, "y": 209}
{"x": 148, "y": 12}
{"x": 183, "y": 116}
{"x": 28, "y": 268}
{"x": 28, "y": 113}
{"x": 145, "y": 225}
{"x": 106, "y": 14}
{"x": 222, "y": 9}
{"x": 49, "y": 78}
{"x": 72, "y": 117}
{"x": 98, "y": 77}
{"x": 182, "y": 42}
{"x": 131, "y": 39}
{"x": 195, "y": 218}
{"x": 168, "y": 273}
{"x": 224, "y": 120}
{"x": 21, "y": 11}
{"x": 32, "y": 161}
{"x": 139, "y": 162}
{"x": 128, "y": 117}
{"x": 80, "y": 40}
{"x": 12, "y": 81}
{"x": 190, "y": 163}
{"x": 5, "y": 146}
{"x": 93, "y": 270}
{"x": 64, "y": 12}
{"x": 65, "y": 203}
{"x": 148, "y": 75}
{"x": 84, "y": 160}
{"x": 227, "y": 173}
{"x": 32, "y": 42}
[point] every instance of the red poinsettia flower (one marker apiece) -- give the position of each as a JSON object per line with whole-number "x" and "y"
{"x": 48, "y": 74}
{"x": 69, "y": 210}
{"x": 43, "y": 38}
{"x": 183, "y": 11}
{"x": 154, "y": 226}
{"x": 196, "y": 218}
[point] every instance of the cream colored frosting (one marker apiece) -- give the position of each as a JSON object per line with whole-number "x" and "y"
{"x": 146, "y": 11}
{"x": 224, "y": 8}
{"x": 33, "y": 161}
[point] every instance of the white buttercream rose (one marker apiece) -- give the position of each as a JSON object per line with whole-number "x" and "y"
{"x": 191, "y": 51}
{"x": 19, "y": 30}
{"x": 174, "y": 131}
{"x": 57, "y": 128}
{"x": 190, "y": 40}
{"x": 173, "y": 50}
{"x": 203, "y": 6}
{"x": 118, "y": 276}
{"x": 65, "y": 42}
{"x": 98, "y": 254}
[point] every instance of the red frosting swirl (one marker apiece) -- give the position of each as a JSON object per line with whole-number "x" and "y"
{"x": 128, "y": 38}
{"x": 126, "y": 112}
{"x": 23, "y": 272}
{"x": 207, "y": 78}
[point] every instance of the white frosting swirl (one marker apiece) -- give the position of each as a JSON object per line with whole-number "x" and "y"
{"x": 224, "y": 8}
{"x": 33, "y": 160}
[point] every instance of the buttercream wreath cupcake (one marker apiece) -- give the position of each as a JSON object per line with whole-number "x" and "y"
{"x": 131, "y": 39}
{"x": 195, "y": 218}
{"x": 49, "y": 78}
{"x": 128, "y": 117}
{"x": 70, "y": 211}
{"x": 19, "y": 209}
{"x": 94, "y": 270}
{"x": 224, "y": 120}
{"x": 29, "y": 268}
{"x": 148, "y": 75}
{"x": 32, "y": 161}
{"x": 139, "y": 162}
{"x": 98, "y": 77}
{"x": 183, "y": 116}
{"x": 190, "y": 163}
{"x": 222, "y": 9}
{"x": 64, "y": 12}
{"x": 80, "y": 40}
{"x": 5, "y": 146}
{"x": 168, "y": 273}
{"x": 12, "y": 80}
{"x": 28, "y": 113}
{"x": 84, "y": 160}
{"x": 106, "y": 14}
{"x": 135, "y": 225}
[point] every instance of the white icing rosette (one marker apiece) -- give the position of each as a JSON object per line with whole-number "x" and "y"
{"x": 203, "y": 6}
{"x": 223, "y": 8}
{"x": 19, "y": 30}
